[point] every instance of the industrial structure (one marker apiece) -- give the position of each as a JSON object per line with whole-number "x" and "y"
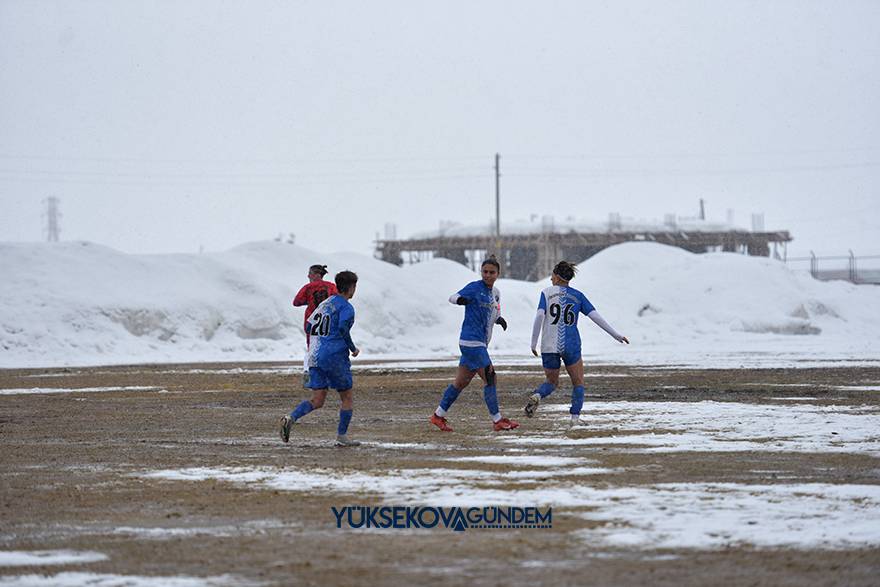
{"x": 528, "y": 251}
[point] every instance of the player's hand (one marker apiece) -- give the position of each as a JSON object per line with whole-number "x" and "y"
{"x": 623, "y": 339}
{"x": 502, "y": 322}
{"x": 355, "y": 352}
{"x": 462, "y": 301}
{"x": 535, "y": 352}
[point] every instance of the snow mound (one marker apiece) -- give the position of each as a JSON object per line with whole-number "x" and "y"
{"x": 79, "y": 303}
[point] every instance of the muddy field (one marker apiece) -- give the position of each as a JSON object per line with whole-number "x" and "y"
{"x": 177, "y": 473}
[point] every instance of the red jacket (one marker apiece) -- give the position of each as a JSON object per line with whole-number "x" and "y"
{"x": 312, "y": 294}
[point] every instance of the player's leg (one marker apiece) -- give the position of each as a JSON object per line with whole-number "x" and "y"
{"x": 339, "y": 377}
{"x": 462, "y": 378}
{"x": 551, "y": 363}
{"x": 318, "y": 383}
{"x": 306, "y": 406}
{"x": 576, "y": 372}
{"x": 346, "y": 408}
{"x": 490, "y": 396}
{"x": 306, "y": 364}
{"x": 467, "y": 368}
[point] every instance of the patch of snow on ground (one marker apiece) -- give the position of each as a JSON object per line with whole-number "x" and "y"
{"x": 718, "y": 426}
{"x": 702, "y": 516}
{"x": 107, "y": 580}
{"x": 23, "y": 558}
{"x": 716, "y": 515}
{"x": 46, "y": 390}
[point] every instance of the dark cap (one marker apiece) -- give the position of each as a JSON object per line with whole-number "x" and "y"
{"x": 320, "y": 269}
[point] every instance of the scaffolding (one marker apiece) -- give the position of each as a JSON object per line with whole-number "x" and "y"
{"x": 531, "y": 257}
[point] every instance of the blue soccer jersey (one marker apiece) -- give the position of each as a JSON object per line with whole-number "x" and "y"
{"x": 480, "y": 313}
{"x": 562, "y": 305}
{"x": 329, "y": 327}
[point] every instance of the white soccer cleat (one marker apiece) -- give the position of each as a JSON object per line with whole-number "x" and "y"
{"x": 344, "y": 440}
{"x": 532, "y": 405}
{"x": 575, "y": 421}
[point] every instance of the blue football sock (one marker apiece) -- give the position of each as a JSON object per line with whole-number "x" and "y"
{"x": 577, "y": 400}
{"x": 301, "y": 410}
{"x": 545, "y": 389}
{"x": 491, "y": 397}
{"x": 449, "y": 397}
{"x": 344, "y": 421}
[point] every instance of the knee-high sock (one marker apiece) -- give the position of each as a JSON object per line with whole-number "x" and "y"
{"x": 344, "y": 421}
{"x": 491, "y": 397}
{"x": 449, "y": 397}
{"x": 545, "y": 389}
{"x": 301, "y": 410}
{"x": 577, "y": 400}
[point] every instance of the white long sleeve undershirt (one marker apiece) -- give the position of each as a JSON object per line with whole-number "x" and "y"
{"x": 601, "y": 323}
{"x": 536, "y": 327}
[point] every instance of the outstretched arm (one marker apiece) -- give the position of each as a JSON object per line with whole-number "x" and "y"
{"x": 536, "y": 330}
{"x": 601, "y": 323}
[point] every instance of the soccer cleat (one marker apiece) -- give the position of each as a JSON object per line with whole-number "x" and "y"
{"x": 286, "y": 425}
{"x": 505, "y": 424}
{"x": 532, "y": 405}
{"x": 575, "y": 420}
{"x": 344, "y": 440}
{"x": 441, "y": 423}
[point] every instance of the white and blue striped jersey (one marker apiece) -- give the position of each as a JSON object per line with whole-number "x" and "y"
{"x": 329, "y": 329}
{"x": 561, "y": 306}
{"x": 480, "y": 313}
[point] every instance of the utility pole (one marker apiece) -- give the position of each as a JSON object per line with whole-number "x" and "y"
{"x": 498, "y": 196}
{"x": 52, "y": 215}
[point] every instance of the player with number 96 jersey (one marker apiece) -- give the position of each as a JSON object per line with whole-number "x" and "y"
{"x": 557, "y": 323}
{"x": 559, "y": 331}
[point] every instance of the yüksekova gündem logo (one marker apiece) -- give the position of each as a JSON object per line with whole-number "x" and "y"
{"x": 453, "y": 518}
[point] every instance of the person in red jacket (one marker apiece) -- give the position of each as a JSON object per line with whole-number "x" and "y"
{"x": 310, "y": 295}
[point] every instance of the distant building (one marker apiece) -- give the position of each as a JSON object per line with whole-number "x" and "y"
{"x": 528, "y": 250}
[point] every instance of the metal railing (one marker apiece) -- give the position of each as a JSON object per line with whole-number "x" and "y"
{"x": 849, "y": 267}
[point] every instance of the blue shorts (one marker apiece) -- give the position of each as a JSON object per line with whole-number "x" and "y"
{"x": 335, "y": 374}
{"x": 554, "y": 360}
{"x": 474, "y": 357}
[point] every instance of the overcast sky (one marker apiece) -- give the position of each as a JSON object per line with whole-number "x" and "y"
{"x": 167, "y": 126}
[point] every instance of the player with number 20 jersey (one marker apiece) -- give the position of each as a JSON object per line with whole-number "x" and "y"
{"x": 329, "y": 328}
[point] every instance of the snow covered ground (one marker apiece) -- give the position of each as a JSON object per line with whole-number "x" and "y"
{"x": 79, "y": 303}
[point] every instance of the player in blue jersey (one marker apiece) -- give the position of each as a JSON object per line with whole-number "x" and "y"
{"x": 482, "y": 311}
{"x": 329, "y": 328}
{"x": 556, "y": 322}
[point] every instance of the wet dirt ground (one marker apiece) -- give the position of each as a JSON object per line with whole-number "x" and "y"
{"x": 75, "y": 476}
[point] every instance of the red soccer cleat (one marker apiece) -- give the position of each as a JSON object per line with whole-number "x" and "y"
{"x": 505, "y": 424}
{"x": 441, "y": 423}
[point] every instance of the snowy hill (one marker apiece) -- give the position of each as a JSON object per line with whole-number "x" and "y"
{"x": 83, "y": 304}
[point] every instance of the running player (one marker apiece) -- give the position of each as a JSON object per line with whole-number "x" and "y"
{"x": 329, "y": 366}
{"x": 310, "y": 295}
{"x": 556, "y": 321}
{"x": 482, "y": 311}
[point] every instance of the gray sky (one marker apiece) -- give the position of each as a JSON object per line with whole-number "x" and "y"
{"x": 166, "y": 126}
